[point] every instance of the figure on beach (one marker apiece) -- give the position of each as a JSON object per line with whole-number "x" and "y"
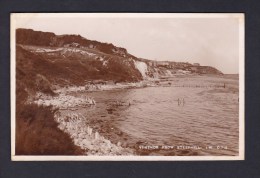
{"x": 181, "y": 102}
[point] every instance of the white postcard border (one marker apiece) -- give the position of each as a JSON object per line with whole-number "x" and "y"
{"x": 15, "y": 16}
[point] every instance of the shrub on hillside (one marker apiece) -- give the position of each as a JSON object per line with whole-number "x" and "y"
{"x": 37, "y": 133}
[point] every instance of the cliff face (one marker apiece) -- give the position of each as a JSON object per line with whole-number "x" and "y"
{"x": 73, "y": 60}
{"x": 70, "y": 60}
{"x": 180, "y": 69}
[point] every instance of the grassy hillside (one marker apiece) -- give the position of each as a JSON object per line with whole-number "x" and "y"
{"x": 37, "y": 133}
{"x": 43, "y": 61}
{"x": 36, "y": 130}
{"x": 70, "y": 66}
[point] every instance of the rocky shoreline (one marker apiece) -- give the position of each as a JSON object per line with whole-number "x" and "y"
{"x": 102, "y": 87}
{"x": 89, "y": 140}
{"x": 63, "y": 101}
{"x": 75, "y": 124}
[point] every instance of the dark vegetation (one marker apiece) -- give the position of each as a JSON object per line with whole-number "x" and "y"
{"x": 32, "y": 37}
{"x": 73, "y": 70}
{"x": 37, "y": 133}
{"x": 28, "y": 65}
{"x": 38, "y": 38}
{"x": 36, "y": 130}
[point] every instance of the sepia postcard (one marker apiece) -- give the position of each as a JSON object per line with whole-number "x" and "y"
{"x": 127, "y": 86}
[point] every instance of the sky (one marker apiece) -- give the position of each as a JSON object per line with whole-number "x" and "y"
{"x": 208, "y": 41}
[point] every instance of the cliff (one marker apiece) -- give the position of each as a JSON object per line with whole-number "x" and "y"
{"x": 65, "y": 60}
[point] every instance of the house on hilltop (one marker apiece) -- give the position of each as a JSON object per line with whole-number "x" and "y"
{"x": 194, "y": 68}
{"x": 196, "y": 64}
